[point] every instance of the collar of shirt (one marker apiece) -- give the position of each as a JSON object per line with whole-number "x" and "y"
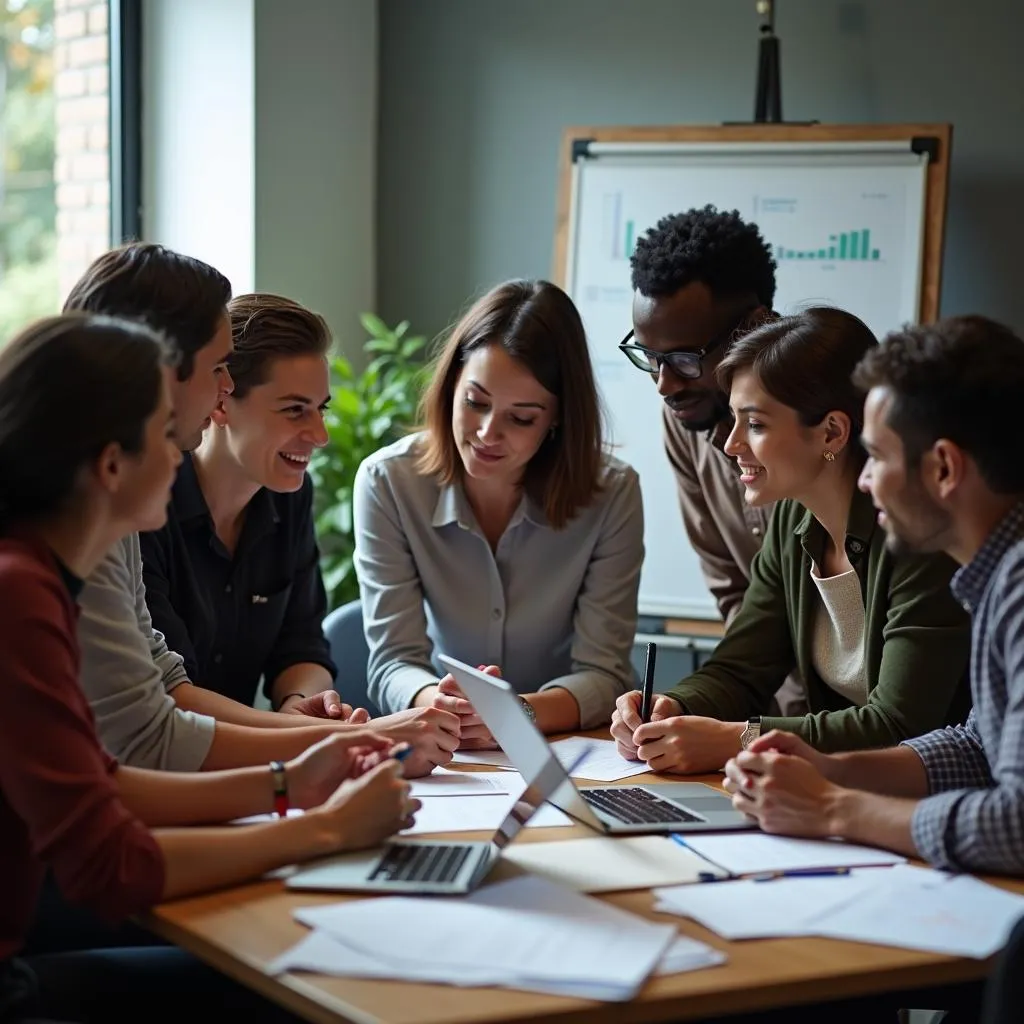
{"x": 453, "y": 507}
{"x": 720, "y": 432}
{"x": 45, "y": 553}
{"x": 970, "y": 582}
{"x": 189, "y": 503}
{"x": 860, "y": 527}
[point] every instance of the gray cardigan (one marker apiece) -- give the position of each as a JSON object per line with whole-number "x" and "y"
{"x": 128, "y": 671}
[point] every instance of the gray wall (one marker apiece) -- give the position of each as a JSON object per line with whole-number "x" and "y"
{"x": 474, "y": 94}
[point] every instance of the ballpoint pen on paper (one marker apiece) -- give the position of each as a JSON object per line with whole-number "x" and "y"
{"x": 768, "y": 876}
{"x": 702, "y": 876}
{"x": 647, "y": 693}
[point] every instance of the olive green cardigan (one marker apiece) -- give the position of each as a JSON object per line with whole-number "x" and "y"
{"x": 916, "y": 639}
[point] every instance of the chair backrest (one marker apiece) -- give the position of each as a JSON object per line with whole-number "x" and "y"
{"x": 349, "y": 651}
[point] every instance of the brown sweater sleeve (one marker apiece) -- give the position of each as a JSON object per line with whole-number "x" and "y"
{"x": 54, "y": 775}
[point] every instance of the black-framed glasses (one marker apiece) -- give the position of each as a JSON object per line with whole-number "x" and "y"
{"x": 684, "y": 363}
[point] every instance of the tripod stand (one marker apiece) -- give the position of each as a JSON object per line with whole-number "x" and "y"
{"x": 768, "y": 97}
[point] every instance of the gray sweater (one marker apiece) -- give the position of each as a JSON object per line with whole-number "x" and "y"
{"x": 128, "y": 672}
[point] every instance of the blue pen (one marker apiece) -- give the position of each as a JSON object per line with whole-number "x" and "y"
{"x": 401, "y": 755}
{"x": 702, "y": 876}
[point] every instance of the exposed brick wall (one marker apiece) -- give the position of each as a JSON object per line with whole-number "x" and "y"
{"x": 82, "y": 171}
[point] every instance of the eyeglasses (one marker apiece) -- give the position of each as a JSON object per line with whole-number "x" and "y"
{"x": 684, "y": 363}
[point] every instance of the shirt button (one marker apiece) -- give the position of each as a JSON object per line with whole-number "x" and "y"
{"x": 856, "y": 547}
{"x": 496, "y": 614}
{"x": 227, "y": 589}
{"x": 756, "y": 531}
{"x": 218, "y": 658}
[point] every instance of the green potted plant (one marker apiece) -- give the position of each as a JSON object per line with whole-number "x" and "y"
{"x": 367, "y": 411}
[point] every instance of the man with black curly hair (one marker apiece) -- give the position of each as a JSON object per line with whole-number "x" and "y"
{"x": 700, "y": 278}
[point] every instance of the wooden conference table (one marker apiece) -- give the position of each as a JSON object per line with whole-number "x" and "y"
{"x": 239, "y": 931}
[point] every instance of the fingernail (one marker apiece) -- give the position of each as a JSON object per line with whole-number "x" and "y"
{"x": 480, "y": 668}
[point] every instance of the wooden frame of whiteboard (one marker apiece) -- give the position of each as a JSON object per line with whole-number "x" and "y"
{"x": 937, "y": 183}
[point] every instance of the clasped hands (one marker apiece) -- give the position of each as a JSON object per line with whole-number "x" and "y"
{"x": 672, "y": 741}
{"x": 446, "y": 696}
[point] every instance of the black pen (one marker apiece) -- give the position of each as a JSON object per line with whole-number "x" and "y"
{"x": 647, "y": 694}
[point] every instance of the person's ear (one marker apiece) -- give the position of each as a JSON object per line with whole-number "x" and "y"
{"x": 108, "y": 468}
{"x": 837, "y": 428}
{"x": 944, "y": 468}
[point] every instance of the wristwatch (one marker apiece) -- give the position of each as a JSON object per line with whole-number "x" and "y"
{"x": 751, "y": 732}
{"x": 528, "y": 709}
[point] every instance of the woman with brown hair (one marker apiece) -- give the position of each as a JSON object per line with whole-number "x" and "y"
{"x": 87, "y": 456}
{"x": 878, "y": 639}
{"x": 502, "y": 532}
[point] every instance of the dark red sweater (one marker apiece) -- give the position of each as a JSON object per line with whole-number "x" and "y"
{"x": 59, "y": 803}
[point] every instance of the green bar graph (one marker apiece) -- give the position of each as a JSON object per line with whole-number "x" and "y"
{"x": 845, "y": 246}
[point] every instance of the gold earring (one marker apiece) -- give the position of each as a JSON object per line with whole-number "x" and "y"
{"x": 830, "y": 456}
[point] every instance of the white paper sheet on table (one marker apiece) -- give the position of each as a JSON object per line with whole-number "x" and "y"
{"x": 918, "y": 908}
{"x": 746, "y": 853}
{"x": 477, "y": 814}
{"x": 602, "y": 763}
{"x": 321, "y": 952}
{"x": 445, "y": 783}
{"x": 745, "y": 909}
{"x": 521, "y": 933}
{"x": 611, "y": 864}
{"x": 906, "y": 906}
{"x": 494, "y": 758}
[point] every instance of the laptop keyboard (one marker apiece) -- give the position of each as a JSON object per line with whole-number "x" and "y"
{"x": 636, "y": 806}
{"x": 421, "y": 862}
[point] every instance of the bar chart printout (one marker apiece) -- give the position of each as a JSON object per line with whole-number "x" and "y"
{"x": 847, "y": 245}
{"x": 618, "y": 235}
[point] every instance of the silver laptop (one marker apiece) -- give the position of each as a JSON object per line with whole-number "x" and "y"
{"x": 620, "y": 809}
{"x": 420, "y": 866}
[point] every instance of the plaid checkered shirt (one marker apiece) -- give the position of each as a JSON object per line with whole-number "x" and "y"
{"x": 973, "y": 818}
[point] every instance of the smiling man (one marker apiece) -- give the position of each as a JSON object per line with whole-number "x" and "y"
{"x": 942, "y": 432}
{"x": 699, "y": 279}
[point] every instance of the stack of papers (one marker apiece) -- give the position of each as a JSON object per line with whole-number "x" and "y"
{"x": 473, "y": 802}
{"x": 751, "y": 853}
{"x": 601, "y": 763}
{"x": 442, "y": 782}
{"x": 910, "y": 907}
{"x": 525, "y": 933}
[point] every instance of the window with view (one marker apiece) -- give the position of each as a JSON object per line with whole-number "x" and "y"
{"x": 55, "y": 193}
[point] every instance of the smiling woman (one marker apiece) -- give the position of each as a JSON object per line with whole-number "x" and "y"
{"x": 503, "y": 532}
{"x": 233, "y": 580}
{"x": 880, "y": 644}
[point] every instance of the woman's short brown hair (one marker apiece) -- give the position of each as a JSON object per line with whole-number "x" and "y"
{"x": 265, "y": 328}
{"x": 536, "y": 323}
{"x": 805, "y": 361}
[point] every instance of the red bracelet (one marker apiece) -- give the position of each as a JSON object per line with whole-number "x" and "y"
{"x": 280, "y": 788}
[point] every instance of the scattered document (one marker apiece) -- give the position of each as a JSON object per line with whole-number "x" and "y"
{"x": 601, "y": 763}
{"x": 745, "y": 909}
{"x": 494, "y": 758}
{"x": 686, "y": 954}
{"x": 607, "y": 864}
{"x": 445, "y": 783}
{"x": 477, "y": 814}
{"x": 918, "y": 908}
{"x": 748, "y": 853}
{"x": 523, "y": 933}
{"x": 905, "y": 906}
{"x": 321, "y": 953}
